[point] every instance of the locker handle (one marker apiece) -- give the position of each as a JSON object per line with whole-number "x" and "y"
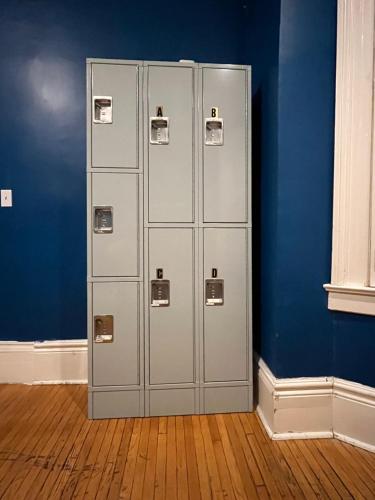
{"x": 103, "y": 219}
{"x": 103, "y": 329}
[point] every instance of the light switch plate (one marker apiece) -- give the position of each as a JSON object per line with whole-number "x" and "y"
{"x": 6, "y": 198}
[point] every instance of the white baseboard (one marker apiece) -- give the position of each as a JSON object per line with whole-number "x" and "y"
{"x": 50, "y": 362}
{"x": 316, "y": 407}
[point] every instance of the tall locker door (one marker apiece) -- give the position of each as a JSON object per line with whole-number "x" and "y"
{"x": 115, "y": 350}
{"x": 170, "y": 147}
{"x": 171, "y": 327}
{"x": 225, "y": 336}
{"x": 115, "y": 237}
{"x": 225, "y": 137}
{"x": 114, "y": 116}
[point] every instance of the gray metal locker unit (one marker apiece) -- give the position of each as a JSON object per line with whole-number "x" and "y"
{"x": 225, "y": 239}
{"x": 174, "y": 296}
{"x": 115, "y": 239}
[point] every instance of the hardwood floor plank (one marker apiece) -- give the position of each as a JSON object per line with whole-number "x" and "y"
{"x": 355, "y": 454}
{"x": 334, "y": 471}
{"x": 261, "y": 462}
{"x": 191, "y": 460}
{"x": 251, "y": 463}
{"x": 102, "y": 490}
{"x": 140, "y": 466}
{"x": 131, "y": 460}
{"x": 356, "y": 488}
{"x": 94, "y": 480}
{"x": 182, "y": 480}
{"x": 204, "y": 480}
{"x": 149, "y": 481}
{"x": 161, "y": 460}
{"x": 323, "y": 470}
{"x": 216, "y": 488}
{"x": 304, "y": 485}
{"x": 12, "y": 474}
{"x": 367, "y": 478}
{"x": 83, "y": 477}
{"x": 13, "y": 443}
{"x": 224, "y": 474}
{"x": 245, "y": 472}
{"x": 309, "y": 474}
{"x": 237, "y": 480}
{"x": 114, "y": 490}
{"x": 34, "y": 480}
{"x": 80, "y": 462}
{"x": 265, "y": 469}
{"x": 69, "y": 465}
{"x": 171, "y": 472}
{"x": 266, "y": 446}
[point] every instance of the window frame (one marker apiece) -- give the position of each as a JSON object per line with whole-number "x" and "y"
{"x": 352, "y": 287}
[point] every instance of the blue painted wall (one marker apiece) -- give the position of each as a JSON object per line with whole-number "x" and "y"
{"x": 307, "y": 54}
{"x": 291, "y": 45}
{"x": 295, "y": 333}
{"x": 43, "y": 47}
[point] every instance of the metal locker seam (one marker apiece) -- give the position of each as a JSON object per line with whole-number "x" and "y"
{"x": 146, "y": 315}
{"x": 113, "y": 388}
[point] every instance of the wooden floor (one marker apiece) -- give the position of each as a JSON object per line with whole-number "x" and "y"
{"x": 48, "y": 450}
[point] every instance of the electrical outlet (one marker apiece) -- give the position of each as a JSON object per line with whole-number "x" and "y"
{"x": 6, "y": 198}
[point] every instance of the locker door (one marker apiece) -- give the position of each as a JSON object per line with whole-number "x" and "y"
{"x": 170, "y": 165}
{"x": 171, "y": 335}
{"x": 116, "y": 360}
{"x": 114, "y": 116}
{"x": 115, "y": 236}
{"x": 224, "y": 165}
{"x": 225, "y": 326}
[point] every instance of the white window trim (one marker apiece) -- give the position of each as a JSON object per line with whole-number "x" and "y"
{"x": 352, "y": 287}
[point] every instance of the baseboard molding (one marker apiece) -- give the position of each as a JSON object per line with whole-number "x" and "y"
{"x": 50, "y": 362}
{"x": 316, "y": 407}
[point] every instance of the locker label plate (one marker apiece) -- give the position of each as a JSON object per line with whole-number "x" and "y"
{"x": 159, "y": 130}
{"x": 103, "y": 326}
{"x": 102, "y": 109}
{"x": 103, "y": 220}
{"x": 160, "y": 292}
{"x": 214, "y": 132}
{"x": 214, "y": 292}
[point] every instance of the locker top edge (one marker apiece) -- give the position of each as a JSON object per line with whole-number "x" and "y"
{"x": 91, "y": 60}
{"x": 130, "y": 62}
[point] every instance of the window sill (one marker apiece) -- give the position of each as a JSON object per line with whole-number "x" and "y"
{"x": 354, "y": 299}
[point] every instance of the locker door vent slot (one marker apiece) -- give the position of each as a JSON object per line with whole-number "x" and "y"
{"x": 103, "y": 325}
{"x": 159, "y": 293}
{"x": 214, "y": 292}
{"x": 214, "y": 135}
{"x": 102, "y": 109}
{"x": 159, "y": 130}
